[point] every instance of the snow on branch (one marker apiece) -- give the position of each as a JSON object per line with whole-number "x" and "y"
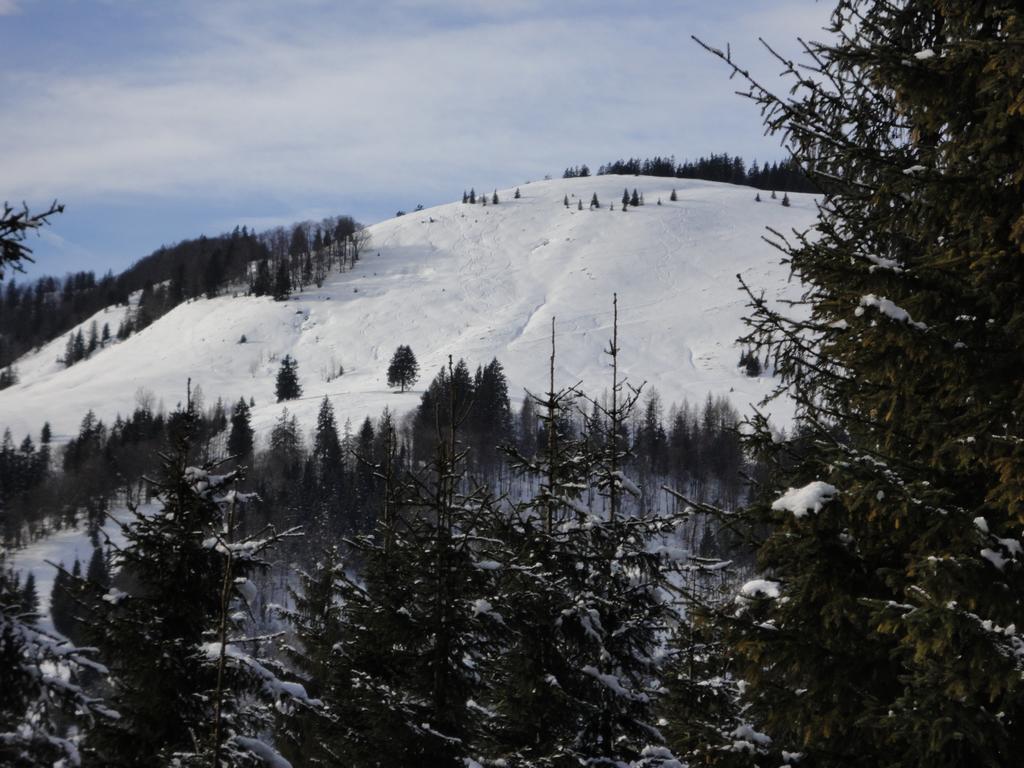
{"x": 889, "y": 309}
{"x": 809, "y": 499}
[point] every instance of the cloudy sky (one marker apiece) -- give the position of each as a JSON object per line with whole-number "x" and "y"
{"x": 156, "y": 121}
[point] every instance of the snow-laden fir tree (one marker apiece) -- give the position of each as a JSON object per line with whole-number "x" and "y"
{"x": 401, "y": 682}
{"x": 582, "y": 593}
{"x": 43, "y": 705}
{"x": 885, "y": 627}
{"x": 191, "y": 686}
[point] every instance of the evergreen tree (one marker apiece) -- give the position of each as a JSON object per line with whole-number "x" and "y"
{"x": 625, "y": 197}
{"x": 494, "y": 199}
{"x": 634, "y": 199}
{"x": 287, "y": 386}
{"x": 261, "y": 283}
{"x": 517, "y": 195}
{"x": 403, "y": 369}
{"x": 241, "y": 436}
{"x": 673, "y": 197}
{"x": 186, "y": 694}
{"x": 565, "y": 201}
{"x": 37, "y": 707}
{"x": 472, "y": 196}
{"x": 785, "y": 200}
{"x": 594, "y": 202}
{"x": 400, "y": 678}
{"x": 282, "y": 282}
{"x": 892, "y": 560}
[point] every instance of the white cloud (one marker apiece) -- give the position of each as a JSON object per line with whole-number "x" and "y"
{"x": 310, "y": 104}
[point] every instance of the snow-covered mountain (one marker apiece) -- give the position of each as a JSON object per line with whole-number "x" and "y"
{"x": 468, "y": 281}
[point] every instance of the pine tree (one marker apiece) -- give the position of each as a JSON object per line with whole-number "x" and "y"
{"x": 184, "y": 692}
{"x": 625, "y": 197}
{"x": 287, "y": 386}
{"x": 465, "y": 197}
{"x": 472, "y": 196}
{"x": 37, "y": 707}
{"x": 565, "y": 201}
{"x": 517, "y": 195}
{"x": 416, "y": 624}
{"x": 241, "y": 436}
{"x": 634, "y": 199}
{"x": 673, "y": 197}
{"x": 282, "y": 282}
{"x": 403, "y": 371}
{"x": 579, "y": 592}
{"x": 494, "y": 199}
{"x": 594, "y": 202}
{"x": 892, "y": 563}
{"x": 579, "y": 204}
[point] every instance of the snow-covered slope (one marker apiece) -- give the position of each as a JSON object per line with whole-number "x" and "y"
{"x": 471, "y": 281}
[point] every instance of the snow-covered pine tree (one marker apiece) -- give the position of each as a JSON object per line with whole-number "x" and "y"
{"x": 417, "y": 622}
{"x": 887, "y": 632}
{"x": 582, "y": 596}
{"x": 43, "y": 707}
{"x": 172, "y": 629}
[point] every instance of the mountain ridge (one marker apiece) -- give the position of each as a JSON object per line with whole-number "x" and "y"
{"x": 471, "y": 281}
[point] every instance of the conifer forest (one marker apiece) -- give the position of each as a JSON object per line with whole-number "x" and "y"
{"x": 308, "y": 495}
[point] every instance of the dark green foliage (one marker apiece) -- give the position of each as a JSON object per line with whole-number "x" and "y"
{"x": 403, "y": 370}
{"x": 15, "y": 226}
{"x": 494, "y": 199}
{"x": 282, "y": 282}
{"x": 287, "y": 386}
{"x": 896, "y": 643}
{"x": 240, "y": 439}
{"x": 750, "y": 363}
{"x": 634, "y": 199}
{"x": 182, "y": 583}
{"x": 673, "y": 197}
{"x": 517, "y": 195}
{"x": 594, "y": 202}
{"x": 37, "y": 707}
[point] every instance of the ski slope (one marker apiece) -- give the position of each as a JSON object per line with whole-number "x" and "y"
{"x": 468, "y": 281}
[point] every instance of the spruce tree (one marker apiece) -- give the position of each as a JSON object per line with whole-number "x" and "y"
{"x": 417, "y": 624}
{"x": 494, "y": 199}
{"x": 892, "y": 566}
{"x": 594, "y": 202}
{"x": 287, "y": 386}
{"x": 241, "y": 436}
{"x": 189, "y": 687}
{"x": 42, "y": 714}
{"x": 673, "y": 197}
{"x": 517, "y": 195}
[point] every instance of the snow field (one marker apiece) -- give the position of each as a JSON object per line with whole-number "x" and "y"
{"x": 468, "y": 281}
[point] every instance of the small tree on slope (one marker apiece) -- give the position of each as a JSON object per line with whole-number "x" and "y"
{"x": 287, "y": 386}
{"x": 403, "y": 369}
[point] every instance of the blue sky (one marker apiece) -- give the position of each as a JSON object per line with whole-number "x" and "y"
{"x": 157, "y": 121}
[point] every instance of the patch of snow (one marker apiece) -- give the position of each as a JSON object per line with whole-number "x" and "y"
{"x": 809, "y": 499}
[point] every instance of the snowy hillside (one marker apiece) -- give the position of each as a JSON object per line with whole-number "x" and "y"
{"x": 471, "y": 281}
